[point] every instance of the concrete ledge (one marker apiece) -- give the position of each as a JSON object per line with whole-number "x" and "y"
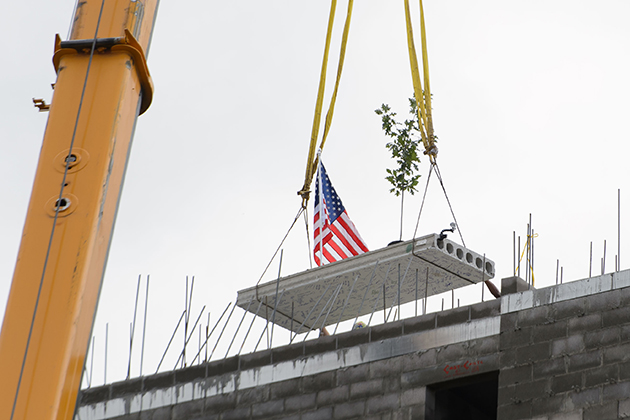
{"x": 575, "y": 289}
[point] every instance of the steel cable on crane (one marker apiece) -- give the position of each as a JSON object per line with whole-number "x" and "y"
{"x": 57, "y": 209}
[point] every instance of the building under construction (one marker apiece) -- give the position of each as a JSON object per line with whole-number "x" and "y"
{"x": 561, "y": 352}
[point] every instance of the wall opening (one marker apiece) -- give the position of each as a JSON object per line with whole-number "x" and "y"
{"x": 473, "y": 397}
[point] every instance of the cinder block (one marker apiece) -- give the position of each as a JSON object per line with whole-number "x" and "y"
{"x": 324, "y": 413}
{"x": 588, "y": 397}
{"x": 353, "y": 338}
{"x": 533, "y": 353}
{"x": 617, "y": 354}
{"x": 453, "y": 316}
{"x": 220, "y": 402}
{"x": 585, "y": 323}
{"x": 188, "y": 409}
{"x": 616, "y": 317}
{"x": 386, "y": 367}
{"x": 515, "y": 411}
{"x": 625, "y": 333}
{"x": 267, "y": 409}
{"x": 419, "y": 360}
{"x": 252, "y": 395}
{"x": 535, "y": 316}
{"x": 299, "y": 402}
{"x": 349, "y": 410}
{"x": 389, "y": 330}
{"x": 568, "y": 382}
{"x": 548, "y": 405}
{"x": 583, "y": 361}
{"x": 568, "y": 309}
{"x": 239, "y": 413}
{"x": 601, "y": 302}
{"x": 483, "y": 346}
{"x": 162, "y": 413}
{"x": 391, "y": 384}
{"x": 353, "y": 374}
{"x": 452, "y": 353}
{"x": 284, "y": 388}
{"x": 485, "y": 309}
{"x": 95, "y": 395}
{"x": 606, "y": 411}
{"x": 159, "y": 381}
{"x": 549, "y": 332}
{"x": 517, "y": 338}
{"x": 253, "y": 360}
{"x": 130, "y": 387}
{"x": 617, "y": 391}
{"x": 570, "y": 345}
{"x": 314, "y": 383}
{"x": 549, "y": 368}
{"x": 573, "y": 415}
{"x": 515, "y": 375}
{"x": 624, "y": 409}
{"x": 624, "y": 371}
{"x": 288, "y": 352}
{"x": 333, "y": 396}
{"x": 320, "y": 345}
{"x": 366, "y": 389}
{"x": 511, "y": 285}
{"x": 383, "y": 403}
{"x": 601, "y": 375}
{"x": 422, "y": 377}
{"x": 602, "y": 338}
{"x": 508, "y": 358}
{"x": 529, "y": 391}
{"x": 419, "y": 323}
{"x": 414, "y": 396}
{"x": 509, "y": 321}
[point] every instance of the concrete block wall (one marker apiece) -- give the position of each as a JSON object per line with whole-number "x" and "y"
{"x": 560, "y": 353}
{"x": 568, "y": 359}
{"x": 374, "y": 373}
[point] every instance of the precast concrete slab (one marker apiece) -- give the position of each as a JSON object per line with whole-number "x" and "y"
{"x": 354, "y": 287}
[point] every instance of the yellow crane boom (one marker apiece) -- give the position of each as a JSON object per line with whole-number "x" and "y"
{"x": 102, "y": 86}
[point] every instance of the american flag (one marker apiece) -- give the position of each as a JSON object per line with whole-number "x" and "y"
{"x": 336, "y": 237}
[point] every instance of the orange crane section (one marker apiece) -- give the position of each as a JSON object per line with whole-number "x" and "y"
{"x": 102, "y": 86}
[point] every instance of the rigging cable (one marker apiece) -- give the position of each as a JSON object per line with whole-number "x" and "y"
{"x": 57, "y": 208}
{"x": 297, "y": 216}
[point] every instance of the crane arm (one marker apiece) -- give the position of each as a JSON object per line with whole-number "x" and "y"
{"x": 102, "y": 86}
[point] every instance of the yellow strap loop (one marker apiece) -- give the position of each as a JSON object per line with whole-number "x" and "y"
{"x": 313, "y": 160}
{"x": 308, "y": 176}
{"x": 426, "y": 123}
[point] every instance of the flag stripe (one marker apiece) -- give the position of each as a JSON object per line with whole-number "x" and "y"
{"x": 336, "y": 237}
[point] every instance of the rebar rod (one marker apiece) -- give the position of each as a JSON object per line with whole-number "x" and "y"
{"x": 250, "y": 327}
{"x": 366, "y": 292}
{"x": 322, "y": 311}
{"x": 222, "y": 330}
{"x": 343, "y": 309}
{"x": 239, "y": 326}
{"x": 309, "y": 314}
{"x": 213, "y": 328}
{"x": 379, "y": 294}
{"x": 171, "y": 340}
{"x": 273, "y": 316}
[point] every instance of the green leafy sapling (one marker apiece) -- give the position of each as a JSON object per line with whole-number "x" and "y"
{"x": 406, "y": 138}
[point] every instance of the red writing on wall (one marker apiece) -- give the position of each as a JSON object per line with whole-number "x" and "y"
{"x": 469, "y": 366}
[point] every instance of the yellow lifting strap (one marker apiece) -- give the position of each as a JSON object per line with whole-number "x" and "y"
{"x": 422, "y": 98}
{"x": 313, "y": 160}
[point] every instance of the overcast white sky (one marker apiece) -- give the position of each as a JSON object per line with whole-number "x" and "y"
{"x": 530, "y": 107}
